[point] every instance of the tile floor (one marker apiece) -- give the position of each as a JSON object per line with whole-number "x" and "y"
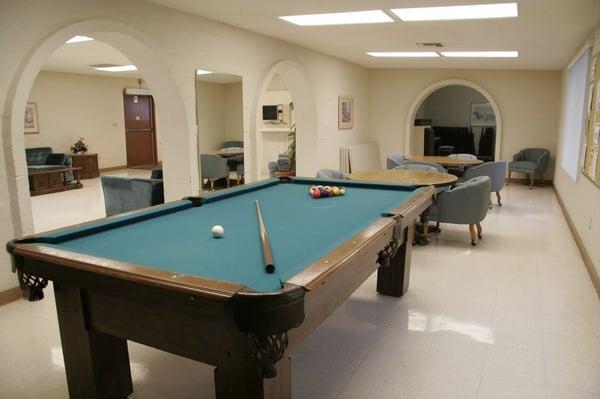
{"x": 514, "y": 317}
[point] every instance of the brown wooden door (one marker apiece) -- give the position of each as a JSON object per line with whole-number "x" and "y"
{"x": 140, "y": 131}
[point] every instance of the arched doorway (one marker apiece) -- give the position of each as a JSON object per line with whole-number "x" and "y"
{"x": 305, "y": 118}
{"x": 429, "y": 90}
{"x": 138, "y": 48}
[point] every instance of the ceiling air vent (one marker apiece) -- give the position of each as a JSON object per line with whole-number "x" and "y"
{"x": 430, "y": 44}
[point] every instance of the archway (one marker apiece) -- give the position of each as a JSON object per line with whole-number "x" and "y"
{"x": 305, "y": 113}
{"x": 139, "y": 49}
{"x": 422, "y": 96}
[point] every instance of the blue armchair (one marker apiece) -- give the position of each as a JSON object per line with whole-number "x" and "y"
{"x": 530, "y": 161}
{"x": 395, "y": 160}
{"x": 465, "y": 203}
{"x": 124, "y": 194}
{"x": 496, "y": 171}
{"x": 330, "y": 174}
{"x": 213, "y": 167}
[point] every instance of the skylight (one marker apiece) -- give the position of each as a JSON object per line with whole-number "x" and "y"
{"x": 117, "y": 68}
{"x": 482, "y": 54}
{"x": 476, "y": 11}
{"x": 409, "y": 54}
{"x": 79, "y": 39}
{"x": 339, "y": 18}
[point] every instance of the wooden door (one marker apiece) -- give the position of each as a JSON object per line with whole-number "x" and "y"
{"x": 140, "y": 131}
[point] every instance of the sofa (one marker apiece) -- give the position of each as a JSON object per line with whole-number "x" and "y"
{"x": 44, "y": 158}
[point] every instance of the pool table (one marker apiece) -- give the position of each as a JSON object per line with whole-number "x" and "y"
{"x": 158, "y": 277}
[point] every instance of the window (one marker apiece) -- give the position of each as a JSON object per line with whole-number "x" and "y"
{"x": 574, "y": 114}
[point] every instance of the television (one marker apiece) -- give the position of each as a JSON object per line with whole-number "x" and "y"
{"x": 270, "y": 113}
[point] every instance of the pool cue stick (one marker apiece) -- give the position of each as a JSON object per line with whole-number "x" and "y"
{"x": 264, "y": 238}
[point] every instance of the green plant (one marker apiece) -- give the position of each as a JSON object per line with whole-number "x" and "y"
{"x": 291, "y": 150}
{"x": 79, "y": 146}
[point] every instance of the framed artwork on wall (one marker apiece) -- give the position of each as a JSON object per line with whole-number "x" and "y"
{"x": 32, "y": 125}
{"x": 482, "y": 114}
{"x": 345, "y": 112}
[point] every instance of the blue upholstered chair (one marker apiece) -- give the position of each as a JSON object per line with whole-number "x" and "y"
{"x": 465, "y": 203}
{"x": 124, "y": 194}
{"x": 496, "y": 171}
{"x": 330, "y": 174}
{"x": 456, "y": 171}
{"x": 213, "y": 167}
{"x": 392, "y": 161}
{"x": 463, "y": 156}
{"x": 415, "y": 166}
{"x": 531, "y": 161}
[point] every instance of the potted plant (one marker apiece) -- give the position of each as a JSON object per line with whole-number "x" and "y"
{"x": 79, "y": 147}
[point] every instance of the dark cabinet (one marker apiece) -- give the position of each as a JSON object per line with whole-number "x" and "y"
{"x": 88, "y": 163}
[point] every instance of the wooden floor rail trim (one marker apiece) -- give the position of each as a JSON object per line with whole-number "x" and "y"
{"x": 589, "y": 265}
{"x": 10, "y": 295}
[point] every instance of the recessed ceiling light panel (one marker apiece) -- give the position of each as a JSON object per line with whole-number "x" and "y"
{"x": 340, "y": 18}
{"x": 475, "y": 11}
{"x": 117, "y": 68}
{"x": 79, "y": 39}
{"x": 481, "y": 54}
{"x": 202, "y": 72}
{"x": 408, "y": 54}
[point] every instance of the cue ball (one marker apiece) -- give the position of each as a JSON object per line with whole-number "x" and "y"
{"x": 217, "y": 231}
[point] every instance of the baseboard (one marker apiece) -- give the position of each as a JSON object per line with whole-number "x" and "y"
{"x": 536, "y": 183}
{"x": 10, "y": 295}
{"x": 120, "y": 167}
{"x": 584, "y": 254}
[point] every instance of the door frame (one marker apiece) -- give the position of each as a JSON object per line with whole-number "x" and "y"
{"x": 152, "y": 116}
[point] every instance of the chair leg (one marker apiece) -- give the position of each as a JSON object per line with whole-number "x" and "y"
{"x": 498, "y": 198}
{"x": 228, "y": 182}
{"x": 473, "y": 234}
{"x": 478, "y": 230}
{"x": 541, "y": 180}
{"x": 212, "y": 185}
{"x": 531, "y": 180}
{"x": 509, "y": 176}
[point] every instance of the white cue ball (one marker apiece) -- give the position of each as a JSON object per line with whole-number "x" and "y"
{"x": 217, "y": 231}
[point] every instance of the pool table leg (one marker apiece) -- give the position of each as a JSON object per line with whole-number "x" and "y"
{"x": 96, "y": 364}
{"x": 393, "y": 280}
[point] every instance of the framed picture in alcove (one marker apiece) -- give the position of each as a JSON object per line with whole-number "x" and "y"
{"x": 345, "y": 112}
{"x": 32, "y": 125}
{"x": 482, "y": 114}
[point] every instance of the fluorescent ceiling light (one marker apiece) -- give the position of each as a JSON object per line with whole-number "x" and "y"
{"x": 477, "y": 11}
{"x": 202, "y": 72}
{"x": 117, "y": 68}
{"x": 413, "y": 54}
{"x": 78, "y": 39}
{"x": 340, "y": 18}
{"x": 485, "y": 54}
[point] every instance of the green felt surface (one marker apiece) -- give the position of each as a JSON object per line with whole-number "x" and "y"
{"x": 301, "y": 230}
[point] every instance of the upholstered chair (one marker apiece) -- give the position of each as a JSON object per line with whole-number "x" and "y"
{"x": 459, "y": 171}
{"x": 213, "y": 167}
{"x": 463, "y": 156}
{"x": 394, "y": 160}
{"x": 465, "y": 203}
{"x": 124, "y": 194}
{"x": 416, "y": 166}
{"x": 531, "y": 161}
{"x": 330, "y": 174}
{"x": 496, "y": 171}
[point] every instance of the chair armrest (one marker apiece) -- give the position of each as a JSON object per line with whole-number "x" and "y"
{"x": 542, "y": 162}
{"x": 519, "y": 156}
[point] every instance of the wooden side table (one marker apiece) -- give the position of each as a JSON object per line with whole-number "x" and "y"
{"x": 88, "y": 164}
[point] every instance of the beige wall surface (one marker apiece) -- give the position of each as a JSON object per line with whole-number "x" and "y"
{"x": 528, "y": 102}
{"x": 177, "y": 44}
{"x": 581, "y": 197}
{"x": 450, "y": 106}
{"x": 210, "y": 105}
{"x": 72, "y": 106}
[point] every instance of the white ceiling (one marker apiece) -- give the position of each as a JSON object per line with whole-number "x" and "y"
{"x": 547, "y": 33}
{"x": 77, "y": 58}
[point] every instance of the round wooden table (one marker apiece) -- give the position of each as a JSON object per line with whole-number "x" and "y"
{"x": 446, "y": 161}
{"x": 403, "y": 176}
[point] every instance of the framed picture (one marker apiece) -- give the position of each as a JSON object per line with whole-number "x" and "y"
{"x": 345, "y": 112}
{"x": 482, "y": 114}
{"x": 32, "y": 125}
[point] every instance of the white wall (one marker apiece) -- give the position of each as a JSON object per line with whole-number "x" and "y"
{"x": 528, "y": 102}
{"x": 581, "y": 197}
{"x": 182, "y": 43}
{"x": 72, "y": 106}
{"x": 450, "y": 106}
{"x": 234, "y": 115}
